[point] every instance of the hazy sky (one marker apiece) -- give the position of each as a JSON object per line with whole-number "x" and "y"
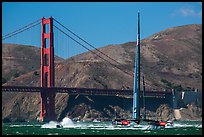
{"x": 100, "y": 23}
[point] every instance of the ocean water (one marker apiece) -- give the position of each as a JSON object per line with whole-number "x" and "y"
{"x": 98, "y": 128}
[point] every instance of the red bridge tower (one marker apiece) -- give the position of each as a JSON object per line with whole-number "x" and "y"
{"x": 47, "y": 110}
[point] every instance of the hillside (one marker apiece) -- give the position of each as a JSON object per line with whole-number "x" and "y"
{"x": 169, "y": 59}
{"x": 19, "y": 59}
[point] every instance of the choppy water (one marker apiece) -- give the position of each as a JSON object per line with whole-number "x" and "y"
{"x": 98, "y": 128}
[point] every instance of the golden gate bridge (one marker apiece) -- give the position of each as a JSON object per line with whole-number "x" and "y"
{"x": 47, "y": 87}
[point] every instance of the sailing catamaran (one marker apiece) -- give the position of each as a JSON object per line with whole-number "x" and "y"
{"x": 136, "y": 94}
{"x": 136, "y": 117}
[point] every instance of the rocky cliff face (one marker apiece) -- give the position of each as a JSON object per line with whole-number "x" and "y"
{"x": 169, "y": 59}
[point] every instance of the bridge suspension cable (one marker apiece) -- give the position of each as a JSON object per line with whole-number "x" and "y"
{"x": 87, "y": 42}
{"x": 96, "y": 50}
{"x": 91, "y": 50}
{"x": 149, "y": 85}
{"x": 33, "y": 24}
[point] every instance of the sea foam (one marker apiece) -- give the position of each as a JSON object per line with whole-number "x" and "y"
{"x": 66, "y": 122}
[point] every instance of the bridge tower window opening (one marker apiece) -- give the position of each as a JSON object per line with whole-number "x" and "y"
{"x": 46, "y": 79}
{"x": 47, "y": 43}
{"x": 47, "y": 28}
{"x": 46, "y": 60}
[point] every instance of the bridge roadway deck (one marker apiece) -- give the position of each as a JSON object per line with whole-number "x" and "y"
{"x": 83, "y": 91}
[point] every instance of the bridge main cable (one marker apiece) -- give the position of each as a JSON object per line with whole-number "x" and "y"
{"x": 91, "y": 51}
{"x": 87, "y": 42}
{"x": 96, "y": 50}
{"x": 21, "y": 28}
